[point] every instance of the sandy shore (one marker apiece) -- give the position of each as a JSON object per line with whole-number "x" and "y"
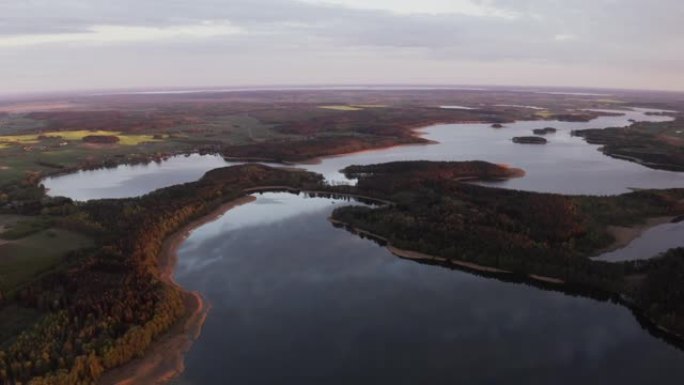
{"x": 164, "y": 360}
{"x": 625, "y": 235}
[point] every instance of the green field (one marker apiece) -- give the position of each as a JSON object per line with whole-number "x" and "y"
{"x": 14, "y": 319}
{"x": 75, "y": 135}
{"x": 23, "y": 259}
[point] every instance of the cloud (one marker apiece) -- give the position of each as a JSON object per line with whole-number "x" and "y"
{"x": 576, "y": 36}
{"x": 429, "y": 7}
{"x": 113, "y": 34}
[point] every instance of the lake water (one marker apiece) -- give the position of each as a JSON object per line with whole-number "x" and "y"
{"x": 315, "y": 304}
{"x": 298, "y": 301}
{"x": 649, "y": 244}
{"x": 566, "y": 165}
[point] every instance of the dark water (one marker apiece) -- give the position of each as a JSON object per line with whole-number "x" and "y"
{"x": 297, "y": 301}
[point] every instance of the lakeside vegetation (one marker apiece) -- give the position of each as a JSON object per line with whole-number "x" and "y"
{"x": 283, "y": 126}
{"x": 113, "y": 303}
{"x": 80, "y": 290}
{"x": 547, "y": 236}
{"x": 104, "y": 305}
{"x": 655, "y": 145}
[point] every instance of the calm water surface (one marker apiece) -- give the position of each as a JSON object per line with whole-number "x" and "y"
{"x": 652, "y": 242}
{"x": 317, "y": 305}
{"x": 566, "y": 165}
{"x": 297, "y": 301}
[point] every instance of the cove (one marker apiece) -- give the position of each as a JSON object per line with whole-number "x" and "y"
{"x": 298, "y": 301}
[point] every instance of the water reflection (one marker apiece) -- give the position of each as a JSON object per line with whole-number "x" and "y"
{"x": 566, "y": 165}
{"x": 650, "y": 244}
{"x": 297, "y": 301}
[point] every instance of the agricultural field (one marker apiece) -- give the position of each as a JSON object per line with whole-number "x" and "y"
{"x": 30, "y": 246}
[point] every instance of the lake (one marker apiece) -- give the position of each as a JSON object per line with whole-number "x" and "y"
{"x": 566, "y": 165}
{"x": 298, "y": 301}
{"x": 295, "y": 300}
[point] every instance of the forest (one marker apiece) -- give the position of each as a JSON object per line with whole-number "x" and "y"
{"x": 106, "y": 304}
{"x": 655, "y": 145}
{"x": 102, "y": 305}
{"x": 523, "y": 234}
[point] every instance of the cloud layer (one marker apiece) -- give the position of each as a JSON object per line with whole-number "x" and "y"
{"x": 80, "y": 44}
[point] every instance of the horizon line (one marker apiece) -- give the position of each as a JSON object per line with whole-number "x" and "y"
{"x": 170, "y": 90}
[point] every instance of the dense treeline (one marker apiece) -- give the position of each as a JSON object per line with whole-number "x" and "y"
{"x": 107, "y": 305}
{"x": 410, "y": 170}
{"x": 389, "y": 120}
{"x": 658, "y": 289}
{"x": 299, "y": 150}
{"x": 525, "y": 233}
{"x": 655, "y": 145}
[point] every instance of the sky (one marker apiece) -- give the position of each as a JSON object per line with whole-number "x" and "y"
{"x": 64, "y": 45}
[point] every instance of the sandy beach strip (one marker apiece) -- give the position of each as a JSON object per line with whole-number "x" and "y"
{"x": 164, "y": 360}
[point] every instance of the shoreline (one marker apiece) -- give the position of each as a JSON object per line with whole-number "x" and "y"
{"x": 418, "y": 256}
{"x": 416, "y": 133}
{"x": 624, "y": 236}
{"x": 667, "y": 334}
{"x": 165, "y": 359}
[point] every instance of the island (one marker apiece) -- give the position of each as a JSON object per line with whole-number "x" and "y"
{"x": 544, "y": 131}
{"x": 529, "y": 140}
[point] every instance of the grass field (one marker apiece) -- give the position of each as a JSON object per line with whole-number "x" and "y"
{"x": 17, "y": 227}
{"x": 230, "y": 129}
{"x": 23, "y": 259}
{"x": 14, "y": 319}
{"x": 7, "y": 221}
{"x": 76, "y": 135}
{"x": 15, "y": 124}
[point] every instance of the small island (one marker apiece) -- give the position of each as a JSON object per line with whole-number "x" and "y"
{"x": 497, "y": 125}
{"x": 545, "y": 131}
{"x": 101, "y": 139}
{"x": 529, "y": 140}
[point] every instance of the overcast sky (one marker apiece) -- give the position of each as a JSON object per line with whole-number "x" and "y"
{"x": 48, "y": 45}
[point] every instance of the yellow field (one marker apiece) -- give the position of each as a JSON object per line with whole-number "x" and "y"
{"x": 370, "y": 105}
{"x": 341, "y": 108}
{"x": 611, "y": 101}
{"x": 544, "y": 114}
{"x": 75, "y": 135}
